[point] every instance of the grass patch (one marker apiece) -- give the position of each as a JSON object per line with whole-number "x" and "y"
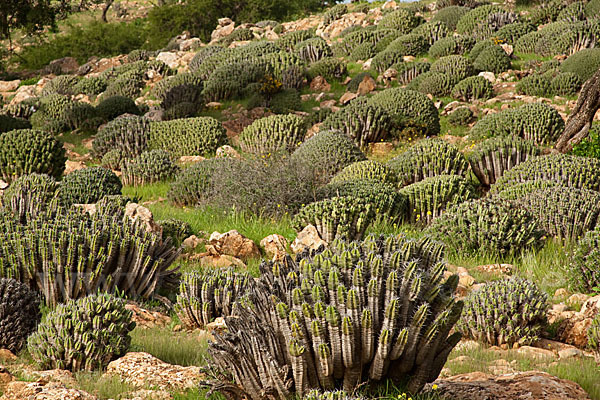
{"x": 76, "y": 139}
{"x": 178, "y": 348}
{"x": 103, "y": 386}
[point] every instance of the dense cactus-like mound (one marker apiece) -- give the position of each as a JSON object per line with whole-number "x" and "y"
{"x": 469, "y": 22}
{"x": 8, "y": 123}
{"x": 193, "y": 183}
{"x": 187, "y": 137}
{"x": 409, "y": 109}
{"x": 428, "y": 158}
{"x": 432, "y": 83}
{"x": 328, "y": 153}
{"x": 113, "y": 160}
{"x": 83, "y": 335}
{"x": 330, "y": 395}
{"x": 328, "y": 67}
{"x": 62, "y": 84}
{"x": 273, "y": 134}
{"x": 19, "y": 314}
{"x": 461, "y": 116}
{"x": 492, "y": 58}
{"x": 583, "y": 63}
{"x": 313, "y": 49}
{"x": 369, "y": 170}
{"x": 28, "y": 195}
{"x": 410, "y": 70}
{"x": 341, "y": 217}
{"x": 57, "y": 113}
{"x": 473, "y": 88}
{"x": 91, "y": 86}
{"x": 128, "y": 135}
{"x": 450, "y": 15}
{"x": 565, "y": 84}
{"x": 430, "y": 197}
{"x": 71, "y": 255}
{"x": 389, "y": 204}
{"x": 534, "y": 85}
{"x": 88, "y": 185}
{"x": 111, "y": 107}
{"x": 567, "y": 170}
{"x": 149, "y": 167}
{"x": 487, "y": 226}
{"x": 593, "y": 334}
{"x": 492, "y": 157}
{"x": 585, "y": 262}
{"x": 362, "y": 121}
{"x": 432, "y": 31}
{"x": 373, "y": 310}
{"x": 451, "y": 45}
{"x": 512, "y": 32}
{"x": 456, "y": 67}
{"x": 505, "y": 312}
{"x": 204, "y": 296}
{"x": 175, "y": 229}
{"x": 564, "y": 212}
{"x": 26, "y": 151}
{"x": 403, "y": 21}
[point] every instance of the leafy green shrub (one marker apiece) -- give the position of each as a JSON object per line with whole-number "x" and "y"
{"x": 327, "y": 153}
{"x": 584, "y": 272}
{"x": 565, "y": 84}
{"x": 204, "y": 296}
{"x": 82, "y": 42}
{"x": 62, "y": 84}
{"x": 57, "y": 113}
{"x": 83, "y": 335}
{"x": 451, "y": 45}
{"x": 409, "y": 109}
{"x": 488, "y": 226}
{"x": 461, "y": 116}
{"x": 584, "y": 63}
{"x": 29, "y": 195}
{"x": 590, "y": 146}
{"x": 567, "y": 170}
{"x": 455, "y": 67}
{"x": 26, "y": 151}
{"x": 366, "y": 170}
{"x": 534, "y": 85}
{"x": 492, "y": 157}
{"x": 400, "y": 20}
{"x": 362, "y": 121}
{"x": 192, "y": 184}
{"x": 507, "y": 311}
{"x": 111, "y": 107}
{"x": 367, "y": 277}
{"x": 473, "y": 88}
{"x": 511, "y": 33}
{"x": 493, "y": 59}
{"x": 313, "y": 49}
{"x": 273, "y": 134}
{"x": 470, "y": 21}
{"x": 428, "y": 158}
{"x": 435, "y": 83}
{"x": 430, "y": 197}
{"x": 389, "y": 204}
{"x": 450, "y": 15}
{"x": 8, "y": 123}
{"x": 564, "y": 212}
{"x": 175, "y": 229}
{"x": 328, "y": 68}
{"x": 149, "y": 167}
{"x": 187, "y": 137}
{"x": 88, "y": 185}
{"x": 20, "y": 314}
{"x": 128, "y": 135}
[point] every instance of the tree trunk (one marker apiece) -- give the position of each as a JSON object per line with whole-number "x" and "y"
{"x": 105, "y": 9}
{"x": 580, "y": 120}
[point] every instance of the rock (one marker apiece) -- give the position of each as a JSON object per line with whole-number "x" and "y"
{"x": 24, "y": 93}
{"x": 145, "y": 394}
{"x": 217, "y": 326}
{"x": 308, "y": 238}
{"x": 190, "y": 159}
{"x": 63, "y": 66}
{"x": 489, "y": 76}
{"x": 501, "y": 367}
{"x": 496, "y": 268}
{"x": 72, "y": 166}
{"x": 9, "y": 86}
{"x": 192, "y": 242}
{"x": 559, "y": 308}
{"x": 346, "y": 98}
{"x": 561, "y": 293}
{"x": 530, "y": 385}
{"x": 5, "y": 378}
{"x": 214, "y": 104}
{"x": 577, "y": 299}
{"x": 389, "y": 74}
{"x": 508, "y": 49}
{"x": 535, "y": 352}
{"x": 275, "y": 246}
{"x": 329, "y": 104}
{"x": 225, "y": 28}
{"x": 367, "y": 85}
{"x": 143, "y": 370}
{"x": 190, "y": 44}
{"x": 43, "y": 390}
{"x": 571, "y": 326}
{"x": 390, "y": 5}
{"x": 569, "y": 353}
{"x": 408, "y": 58}
{"x": 3, "y": 185}
{"x": 227, "y": 151}
{"x": 136, "y": 212}
{"x": 320, "y": 84}
{"x": 168, "y": 58}
{"x": 7, "y": 355}
{"x": 218, "y": 260}
{"x": 145, "y": 318}
{"x": 381, "y": 148}
{"x": 234, "y": 244}
{"x": 155, "y": 115}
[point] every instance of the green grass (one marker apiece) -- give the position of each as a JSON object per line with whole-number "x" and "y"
{"x": 178, "y": 348}
{"x": 103, "y": 386}
{"x": 76, "y": 139}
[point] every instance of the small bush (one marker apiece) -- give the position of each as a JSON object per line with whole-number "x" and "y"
{"x": 111, "y": 107}
{"x": 187, "y": 137}
{"x": 461, "y": 116}
{"x": 329, "y": 68}
{"x": 401, "y": 20}
{"x": 149, "y": 167}
{"x": 192, "y": 185}
{"x": 534, "y": 85}
{"x": 455, "y": 67}
{"x": 366, "y": 170}
{"x": 590, "y": 146}
{"x": 8, "y": 123}
{"x": 565, "y": 84}
{"x": 88, "y": 185}
{"x": 274, "y": 134}
{"x": 128, "y": 135}
{"x": 450, "y": 15}
{"x": 458, "y": 45}
{"x": 20, "y": 314}
{"x": 584, "y": 63}
{"x": 473, "y": 88}
{"x": 434, "y": 83}
{"x": 493, "y": 59}
{"x": 175, "y": 229}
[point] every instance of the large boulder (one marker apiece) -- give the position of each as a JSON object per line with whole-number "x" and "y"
{"x": 43, "y": 390}
{"x": 528, "y": 385}
{"x": 234, "y": 244}
{"x": 572, "y": 326}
